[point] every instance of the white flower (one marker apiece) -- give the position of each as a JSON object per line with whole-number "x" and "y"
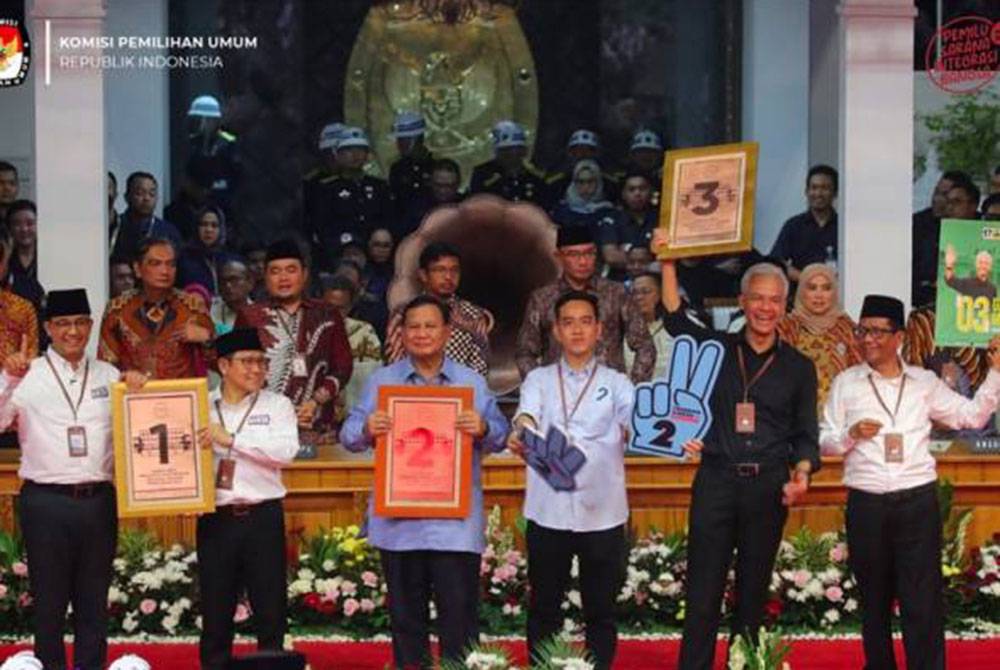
{"x": 574, "y": 598}
{"x": 169, "y": 623}
{"x": 479, "y": 660}
{"x": 299, "y": 587}
{"x": 116, "y": 596}
{"x": 850, "y": 605}
{"x": 831, "y": 616}
{"x": 574, "y": 568}
{"x": 329, "y": 565}
{"x": 569, "y": 625}
{"x": 815, "y": 588}
{"x": 571, "y": 663}
{"x": 306, "y": 573}
{"x": 130, "y": 623}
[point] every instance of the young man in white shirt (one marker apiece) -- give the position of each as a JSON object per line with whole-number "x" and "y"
{"x": 592, "y": 404}
{"x": 68, "y": 513}
{"x": 878, "y": 416}
{"x": 242, "y": 544}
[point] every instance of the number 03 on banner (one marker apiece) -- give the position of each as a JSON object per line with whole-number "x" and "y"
{"x": 707, "y": 200}
{"x": 423, "y": 466}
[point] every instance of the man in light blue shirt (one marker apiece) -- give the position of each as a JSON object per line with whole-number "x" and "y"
{"x": 592, "y": 405}
{"x": 421, "y": 556}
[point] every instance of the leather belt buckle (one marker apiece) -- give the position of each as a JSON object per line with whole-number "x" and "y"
{"x": 747, "y": 469}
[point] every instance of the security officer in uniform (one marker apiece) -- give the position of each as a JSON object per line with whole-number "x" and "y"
{"x": 583, "y": 144}
{"x": 350, "y": 200}
{"x": 242, "y": 544}
{"x": 409, "y": 176}
{"x": 645, "y": 154}
{"x": 61, "y": 402}
{"x": 311, "y": 180}
{"x": 217, "y": 147}
{"x": 510, "y": 175}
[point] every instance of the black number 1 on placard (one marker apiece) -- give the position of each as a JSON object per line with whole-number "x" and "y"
{"x": 708, "y": 189}
{"x": 160, "y": 430}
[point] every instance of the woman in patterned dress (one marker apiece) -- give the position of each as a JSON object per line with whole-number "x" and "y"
{"x": 818, "y": 327}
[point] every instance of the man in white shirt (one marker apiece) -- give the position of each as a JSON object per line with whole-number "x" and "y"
{"x": 68, "y": 513}
{"x": 592, "y": 404}
{"x": 878, "y": 416}
{"x": 242, "y": 544}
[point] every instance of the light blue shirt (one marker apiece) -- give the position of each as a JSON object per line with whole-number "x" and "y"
{"x": 598, "y": 427}
{"x": 429, "y": 534}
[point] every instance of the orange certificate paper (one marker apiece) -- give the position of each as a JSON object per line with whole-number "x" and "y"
{"x": 159, "y": 467}
{"x": 423, "y": 467}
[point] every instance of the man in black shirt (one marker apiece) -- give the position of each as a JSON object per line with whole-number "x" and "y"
{"x": 926, "y": 236}
{"x": 811, "y": 237}
{"x": 980, "y": 284}
{"x": 764, "y": 424}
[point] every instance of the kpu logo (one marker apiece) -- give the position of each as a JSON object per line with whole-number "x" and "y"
{"x": 15, "y": 52}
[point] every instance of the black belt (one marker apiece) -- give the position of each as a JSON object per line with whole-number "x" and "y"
{"x": 82, "y": 490}
{"x": 901, "y": 495}
{"x": 244, "y": 509}
{"x": 743, "y": 469}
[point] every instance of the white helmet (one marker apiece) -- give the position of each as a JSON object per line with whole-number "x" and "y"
{"x": 206, "y": 106}
{"x": 408, "y": 124}
{"x": 331, "y": 133}
{"x": 22, "y": 660}
{"x": 509, "y": 134}
{"x": 583, "y": 138}
{"x": 646, "y": 139}
{"x": 352, "y": 136}
{"x": 130, "y": 662}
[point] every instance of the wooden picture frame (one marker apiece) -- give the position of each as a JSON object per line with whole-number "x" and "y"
{"x": 707, "y": 200}
{"x": 160, "y": 469}
{"x": 423, "y": 466}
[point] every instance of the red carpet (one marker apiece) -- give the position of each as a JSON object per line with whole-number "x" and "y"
{"x": 632, "y": 654}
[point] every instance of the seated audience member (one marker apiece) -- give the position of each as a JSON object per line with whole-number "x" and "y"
{"x": 583, "y": 144}
{"x": 926, "y": 236}
{"x": 819, "y": 328}
{"x": 510, "y": 174}
{"x": 646, "y": 294}
{"x": 156, "y": 329}
{"x": 138, "y": 222}
{"x": 366, "y": 307}
{"x": 443, "y": 189}
{"x": 23, "y": 262}
{"x": 990, "y": 209}
{"x": 380, "y": 268}
{"x": 468, "y": 341}
{"x": 963, "y": 201}
{"x": 630, "y": 226}
{"x": 576, "y": 252}
{"x": 639, "y": 260}
{"x": 235, "y": 285}
{"x": 192, "y": 199}
{"x": 366, "y": 349}
{"x": 200, "y": 261}
{"x": 19, "y": 330}
{"x": 811, "y": 237}
{"x": 9, "y": 187}
{"x": 255, "y": 255}
{"x": 202, "y": 300}
{"x": 584, "y": 202}
{"x": 122, "y": 277}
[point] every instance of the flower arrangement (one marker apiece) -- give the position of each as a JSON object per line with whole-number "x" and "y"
{"x": 767, "y": 653}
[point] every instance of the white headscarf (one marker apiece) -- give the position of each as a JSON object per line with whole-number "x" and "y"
{"x": 575, "y": 201}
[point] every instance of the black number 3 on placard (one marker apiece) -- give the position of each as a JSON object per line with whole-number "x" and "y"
{"x": 708, "y": 189}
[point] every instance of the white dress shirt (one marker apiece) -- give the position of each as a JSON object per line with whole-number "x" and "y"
{"x": 925, "y": 398}
{"x": 268, "y": 440}
{"x": 43, "y": 417}
{"x": 598, "y": 428}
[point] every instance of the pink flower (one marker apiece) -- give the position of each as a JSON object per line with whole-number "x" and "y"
{"x": 147, "y": 606}
{"x": 504, "y": 573}
{"x": 330, "y": 596}
{"x": 484, "y": 568}
{"x": 512, "y": 557}
{"x": 834, "y": 594}
{"x": 369, "y": 579}
{"x": 3, "y": 590}
{"x": 367, "y": 604}
{"x": 241, "y": 614}
{"x": 801, "y": 578}
{"x": 838, "y": 552}
{"x": 348, "y": 588}
{"x": 20, "y": 569}
{"x": 351, "y": 606}
{"x": 25, "y": 600}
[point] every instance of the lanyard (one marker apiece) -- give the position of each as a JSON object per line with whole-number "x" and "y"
{"x": 567, "y": 415}
{"x": 293, "y": 320}
{"x": 83, "y": 388}
{"x": 899, "y": 398}
{"x": 218, "y": 410}
{"x": 743, "y": 371}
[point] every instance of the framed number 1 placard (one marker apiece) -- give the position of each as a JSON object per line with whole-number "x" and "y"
{"x": 707, "y": 200}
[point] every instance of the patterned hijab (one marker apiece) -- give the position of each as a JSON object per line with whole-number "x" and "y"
{"x": 817, "y": 323}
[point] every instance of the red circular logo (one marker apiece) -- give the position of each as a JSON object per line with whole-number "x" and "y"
{"x": 964, "y": 54}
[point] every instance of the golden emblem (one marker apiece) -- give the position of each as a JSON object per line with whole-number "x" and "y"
{"x": 462, "y": 76}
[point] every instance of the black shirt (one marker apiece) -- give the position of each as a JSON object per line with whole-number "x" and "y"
{"x": 803, "y": 241}
{"x": 926, "y": 235}
{"x": 784, "y": 400}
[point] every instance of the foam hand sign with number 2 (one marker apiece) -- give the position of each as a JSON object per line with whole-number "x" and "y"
{"x": 669, "y": 413}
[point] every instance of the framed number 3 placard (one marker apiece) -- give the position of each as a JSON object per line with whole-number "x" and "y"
{"x": 707, "y": 200}
{"x": 423, "y": 466}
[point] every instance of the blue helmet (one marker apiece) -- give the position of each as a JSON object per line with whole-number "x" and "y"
{"x": 646, "y": 139}
{"x": 583, "y": 138}
{"x": 329, "y": 136}
{"x": 408, "y": 124}
{"x": 206, "y": 106}
{"x": 352, "y": 136}
{"x": 509, "y": 134}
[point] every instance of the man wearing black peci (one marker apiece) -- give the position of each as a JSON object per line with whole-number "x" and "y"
{"x": 764, "y": 425}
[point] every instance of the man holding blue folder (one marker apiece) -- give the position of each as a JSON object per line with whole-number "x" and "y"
{"x": 571, "y": 428}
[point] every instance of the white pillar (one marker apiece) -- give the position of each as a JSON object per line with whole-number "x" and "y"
{"x": 69, "y": 153}
{"x": 876, "y": 148}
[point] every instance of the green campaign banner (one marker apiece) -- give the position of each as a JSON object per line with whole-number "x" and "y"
{"x": 968, "y": 310}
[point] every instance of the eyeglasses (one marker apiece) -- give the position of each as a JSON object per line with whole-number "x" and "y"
{"x": 577, "y": 255}
{"x": 861, "y": 332}
{"x": 252, "y": 361}
{"x": 65, "y": 324}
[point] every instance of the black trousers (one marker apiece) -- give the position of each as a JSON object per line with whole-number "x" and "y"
{"x": 729, "y": 512}
{"x": 241, "y": 548}
{"x": 413, "y": 578}
{"x": 71, "y": 541}
{"x": 601, "y": 556}
{"x": 894, "y": 550}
